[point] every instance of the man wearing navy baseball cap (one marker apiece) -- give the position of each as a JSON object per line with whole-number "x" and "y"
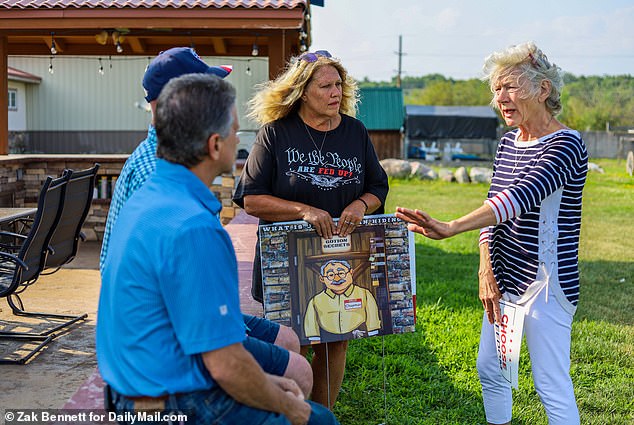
{"x": 173, "y": 63}
{"x": 141, "y": 164}
{"x": 275, "y": 347}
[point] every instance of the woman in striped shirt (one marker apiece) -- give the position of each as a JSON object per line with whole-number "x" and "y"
{"x": 529, "y": 237}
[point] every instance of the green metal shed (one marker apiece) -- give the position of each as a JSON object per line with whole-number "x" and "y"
{"x": 382, "y": 111}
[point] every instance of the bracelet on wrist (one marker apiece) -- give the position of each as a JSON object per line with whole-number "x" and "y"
{"x": 364, "y": 203}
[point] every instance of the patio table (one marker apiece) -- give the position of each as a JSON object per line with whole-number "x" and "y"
{"x": 9, "y": 214}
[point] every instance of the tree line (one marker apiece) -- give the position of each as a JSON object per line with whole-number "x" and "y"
{"x": 589, "y": 103}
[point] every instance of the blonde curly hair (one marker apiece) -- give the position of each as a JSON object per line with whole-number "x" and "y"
{"x": 529, "y": 66}
{"x": 277, "y": 98}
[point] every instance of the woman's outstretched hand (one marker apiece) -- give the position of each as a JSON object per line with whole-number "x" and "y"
{"x": 421, "y": 222}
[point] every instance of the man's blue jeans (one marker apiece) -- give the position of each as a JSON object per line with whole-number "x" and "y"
{"x": 211, "y": 407}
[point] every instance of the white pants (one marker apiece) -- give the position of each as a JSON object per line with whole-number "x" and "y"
{"x": 547, "y": 329}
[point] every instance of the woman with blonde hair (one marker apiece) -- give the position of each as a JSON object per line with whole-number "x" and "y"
{"x": 529, "y": 237}
{"x": 312, "y": 161}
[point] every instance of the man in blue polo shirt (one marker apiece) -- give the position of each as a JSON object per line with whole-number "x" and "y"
{"x": 169, "y": 328}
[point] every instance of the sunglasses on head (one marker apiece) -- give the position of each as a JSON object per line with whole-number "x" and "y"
{"x": 538, "y": 60}
{"x": 311, "y": 57}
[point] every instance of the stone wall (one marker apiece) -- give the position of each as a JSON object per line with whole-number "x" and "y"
{"x": 22, "y": 176}
{"x": 12, "y": 186}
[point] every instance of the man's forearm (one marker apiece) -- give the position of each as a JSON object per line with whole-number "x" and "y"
{"x": 240, "y": 376}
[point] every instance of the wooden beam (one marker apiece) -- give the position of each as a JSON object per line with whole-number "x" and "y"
{"x": 276, "y": 54}
{"x": 69, "y": 19}
{"x": 282, "y": 46}
{"x": 137, "y": 45}
{"x": 219, "y": 45}
{"x": 4, "y": 96}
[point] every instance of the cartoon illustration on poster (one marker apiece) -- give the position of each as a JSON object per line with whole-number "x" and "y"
{"x": 342, "y": 307}
{"x": 342, "y": 288}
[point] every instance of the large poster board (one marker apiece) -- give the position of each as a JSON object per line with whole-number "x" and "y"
{"x": 341, "y": 288}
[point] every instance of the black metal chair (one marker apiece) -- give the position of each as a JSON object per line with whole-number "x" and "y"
{"x": 20, "y": 269}
{"x": 64, "y": 241}
{"x": 77, "y": 200}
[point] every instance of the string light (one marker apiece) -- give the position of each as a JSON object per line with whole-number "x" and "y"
{"x": 255, "y": 50}
{"x": 53, "y": 49}
{"x": 147, "y": 59}
{"x": 302, "y": 40}
{"x": 117, "y": 38}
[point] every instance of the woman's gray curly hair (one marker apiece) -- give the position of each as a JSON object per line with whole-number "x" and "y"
{"x": 530, "y": 66}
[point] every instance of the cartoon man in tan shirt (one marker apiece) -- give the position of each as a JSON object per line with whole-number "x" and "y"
{"x": 342, "y": 307}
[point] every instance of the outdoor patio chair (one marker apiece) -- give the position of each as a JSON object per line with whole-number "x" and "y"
{"x": 77, "y": 200}
{"x": 62, "y": 243}
{"x": 19, "y": 270}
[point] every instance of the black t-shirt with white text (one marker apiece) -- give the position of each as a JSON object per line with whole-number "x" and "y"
{"x": 285, "y": 162}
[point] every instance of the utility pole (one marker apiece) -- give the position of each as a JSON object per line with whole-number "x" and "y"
{"x": 400, "y": 56}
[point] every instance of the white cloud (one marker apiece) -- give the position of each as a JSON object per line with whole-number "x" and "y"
{"x": 446, "y": 20}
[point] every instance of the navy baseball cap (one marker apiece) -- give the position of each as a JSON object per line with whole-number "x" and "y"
{"x": 173, "y": 63}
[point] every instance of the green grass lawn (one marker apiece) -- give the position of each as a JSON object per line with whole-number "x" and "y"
{"x": 429, "y": 377}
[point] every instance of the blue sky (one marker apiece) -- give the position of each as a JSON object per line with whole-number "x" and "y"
{"x": 452, "y": 37}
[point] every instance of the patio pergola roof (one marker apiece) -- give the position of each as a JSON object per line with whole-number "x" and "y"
{"x": 146, "y": 27}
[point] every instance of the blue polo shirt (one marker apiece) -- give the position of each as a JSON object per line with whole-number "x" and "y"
{"x": 169, "y": 288}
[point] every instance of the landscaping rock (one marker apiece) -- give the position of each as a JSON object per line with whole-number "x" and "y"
{"x": 398, "y": 168}
{"x": 431, "y": 175}
{"x": 480, "y": 175}
{"x": 461, "y": 175}
{"x": 422, "y": 171}
{"x": 446, "y": 175}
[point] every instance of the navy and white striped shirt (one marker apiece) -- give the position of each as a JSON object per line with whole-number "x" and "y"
{"x": 536, "y": 197}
